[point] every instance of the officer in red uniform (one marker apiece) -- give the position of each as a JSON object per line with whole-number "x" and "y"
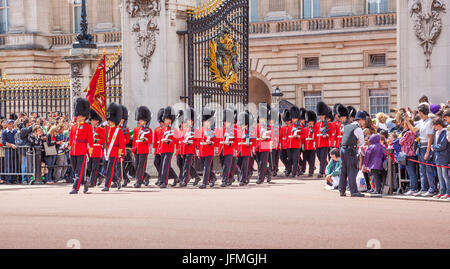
{"x": 80, "y": 140}
{"x": 276, "y": 124}
{"x": 341, "y": 114}
{"x": 294, "y": 139}
{"x": 309, "y": 144}
{"x": 264, "y": 138}
{"x": 246, "y": 141}
{"x": 188, "y": 143}
{"x": 284, "y": 155}
{"x": 207, "y": 143}
{"x": 128, "y": 144}
{"x": 227, "y": 145}
{"x": 157, "y": 136}
{"x": 323, "y": 132}
{"x": 142, "y": 138}
{"x": 115, "y": 145}
{"x": 168, "y": 143}
{"x": 301, "y": 161}
{"x": 178, "y": 133}
{"x": 96, "y": 154}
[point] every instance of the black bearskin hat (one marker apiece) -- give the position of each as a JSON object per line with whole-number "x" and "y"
{"x": 302, "y": 113}
{"x": 295, "y": 112}
{"x": 160, "y": 115}
{"x": 169, "y": 114}
{"x": 245, "y": 118}
{"x": 207, "y": 114}
{"x": 351, "y": 111}
{"x": 341, "y": 111}
{"x": 264, "y": 111}
{"x": 143, "y": 113}
{"x": 286, "y": 115}
{"x": 311, "y": 116}
{"x": 229, "y": 115}
{"x": 322, "y": 109}
{"x": 94, "y": 116}
{"x": 124, "y": 113}
{"x": 189, "y": 114}
{"x": 82, "y": 107}
{"x": 114, "y": 113}
{"x": 330, "y": 115}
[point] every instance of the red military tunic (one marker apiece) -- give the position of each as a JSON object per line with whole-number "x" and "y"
{"x": 168, "y": 147}
{"x": 338, "y": 131}
{"x": 81, "y": 137}
{"x": 178, "y": 133}
{"x": 294, "y": 143}
{"x": 142, "y": 138}
{"x": 99, "y": 141}
{"x": 158, "y": 134}
{"x": 126, "y": 135}
{"x": 284, "y": 137}
{"x": 205, "y": 150}
{"x": 263, "y": 145}
{"x": 308, "y": 139}
{"x": 322, "y": 142}
{"x": 118, "y": 143}
{"x": 227, "y": 149}
{"x": 187, "y": 148}
{"x": 244, "y": 150}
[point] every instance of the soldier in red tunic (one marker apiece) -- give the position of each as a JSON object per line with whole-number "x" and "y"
{"x": 96, "y": 154}
{"x": 309, "y": 144}
{"x": 284, "y": 154}
{"x": 227, "y": 145}
{"x": 264, "y": 138}
{"x": 341, "y": 114}
{"x": 126, "y": 158}
{"x": 207, "y": 143}
{"x": 80, "y": 140}
{"x": 168, "y": 143}
{"x": 157, "y": 136}
{"x": 188, "y": 143}
{"x": 115, "y": 145}
{"x": 142, "y": 138}
{"x": 294, "y": 140}
{"x": 246, "y": 141}
{"x": 323, "y": 132}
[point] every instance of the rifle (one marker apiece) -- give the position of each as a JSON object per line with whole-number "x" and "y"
{"x": 188, "y": 137}
{"x": 209, "y": 135}
{"x": 295, "y": 131}
{"x": 171, "y": 132}
{"x": 324, "y": 130}
{"x": 265, "y": 134}
{"x": 229, "y": 136}
{"x": 247, "y": 139}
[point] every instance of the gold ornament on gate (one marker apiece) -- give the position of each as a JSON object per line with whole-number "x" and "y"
{"x": 224, "y": 60}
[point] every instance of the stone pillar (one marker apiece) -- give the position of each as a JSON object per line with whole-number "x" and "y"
{"x": 17, "y": 15}
{"x": 83, "y": 62}
{"x": 417, "y": 76}
{"x": 153, "y": 63}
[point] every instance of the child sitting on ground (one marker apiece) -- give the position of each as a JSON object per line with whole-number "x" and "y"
{"x": 333, "y": 169}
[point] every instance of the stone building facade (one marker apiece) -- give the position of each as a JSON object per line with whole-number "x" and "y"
{"x": 332, "y": 50}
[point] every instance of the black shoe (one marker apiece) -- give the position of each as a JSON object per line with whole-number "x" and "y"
{"x": 310, "y": 175}
{"x": 85, "y": 189}
{"x": 268, "y": 180}
{"x": 343, "y": 194}
{"x": 223, "y": 185}
{"x": 105, "y": 189}
{"x": 183, "y": 184}
{"x": 163, "y": 186}
{"x": 73, "y": 192}
{"x": 197, "y": 180}
{"x": 203, "y": 186}
{"x": 119, "y": 186}
{"x": 357, "y": 194}
{"x": 175, "y": 183}
{"x": 157, "y": 183}
{"x": 258, "y": 182}
{"x": 212, "y": 184}
{"x": 241, "y": 184}
{"x": 230, "y": 183}
{"x": 114, "y": 185}
{"x": 137, "y": 186}
{"x": 274, "y": 174}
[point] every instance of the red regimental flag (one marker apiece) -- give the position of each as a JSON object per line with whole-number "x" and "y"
{"x": 97, "y": 89}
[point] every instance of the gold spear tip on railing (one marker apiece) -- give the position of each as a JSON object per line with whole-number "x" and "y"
{"x": 104, "y": 51}
{"x": 4, "y": 79}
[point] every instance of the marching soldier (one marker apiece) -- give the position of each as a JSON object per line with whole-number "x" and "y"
{"x": 294, "y": 140}
{"x": 128, "y": 145}
{"x": 309, "y": 144}
{"x": 97, "y": 150}
{"x": 157, "y": 136}
{"x": 322, "y": 132}
{"x": 81, "y": 139}
{"x": 352, "y": 138}
{"x": 142, "y": 138}
{"x": 178, "y": 133}
{"x": 227, "y": 145}
{"x": 115, "y": 145}
{"x": 264, "y": 138}
{"x": 284, "y": 152}
{"x": 168, "y": 143}
{"x": 207, "y": 142}
{"x": 245, "y": 141}
{"x": 188, "y": 143}
{"x": 301, "y": 161}
{"x": 276, "y": 145}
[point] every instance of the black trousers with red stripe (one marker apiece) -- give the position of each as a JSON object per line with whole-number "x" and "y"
{"x": 227, "y": 165}
{"x": 275, "y": 159}
{"x": 243, "y": 162}
{"x": 263, "y": 170}
{"x": 188, "y": 171}
{"x": 112, "y": 171}
{"x": 166, "y": 168}
{"x": 294, "y": 155}
{"x": 208, "y": 164}
{"x": 79, "y": 168}
{"x": 93, "y": 170}
{"x": 284, "y": 157}
{"x": 141, "y": 166}
{"x": 158, "y": 162}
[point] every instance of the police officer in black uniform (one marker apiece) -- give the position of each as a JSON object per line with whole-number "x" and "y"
{"x": 352, "y": 138}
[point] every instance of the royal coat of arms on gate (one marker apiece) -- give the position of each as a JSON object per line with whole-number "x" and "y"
{"x": 224, "y": 59}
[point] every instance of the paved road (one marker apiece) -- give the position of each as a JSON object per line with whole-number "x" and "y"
{"x": 286, "y": 214}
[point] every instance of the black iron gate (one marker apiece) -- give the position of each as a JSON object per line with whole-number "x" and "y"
{"x": 114, "y": 81}
{"x": 218, "y": 54}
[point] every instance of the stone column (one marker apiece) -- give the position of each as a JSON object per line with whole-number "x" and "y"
{"x": 83, "y": 62}
{"x": 17, "y": 15}
{"x": 417, "y": 75}
{"x": 153, "y": 63}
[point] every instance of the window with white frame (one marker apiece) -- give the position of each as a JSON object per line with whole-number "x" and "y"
{"x": 311, "y": 99}
{"x": 311, "y": 9}
{"x": 4, "y": 16}
{"x": 378, "y": 101}
{"x": 377, "y": 6}
{"x": 77, "y": 15}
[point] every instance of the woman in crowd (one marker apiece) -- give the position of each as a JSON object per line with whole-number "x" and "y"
{"x": 441, "y": 154}
{"x": 407, "y": 143}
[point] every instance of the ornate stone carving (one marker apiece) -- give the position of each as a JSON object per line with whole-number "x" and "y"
{"x": 75, "y": 74}
{"x": 426, "y": 16}
{"x": 145, "y": 28}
